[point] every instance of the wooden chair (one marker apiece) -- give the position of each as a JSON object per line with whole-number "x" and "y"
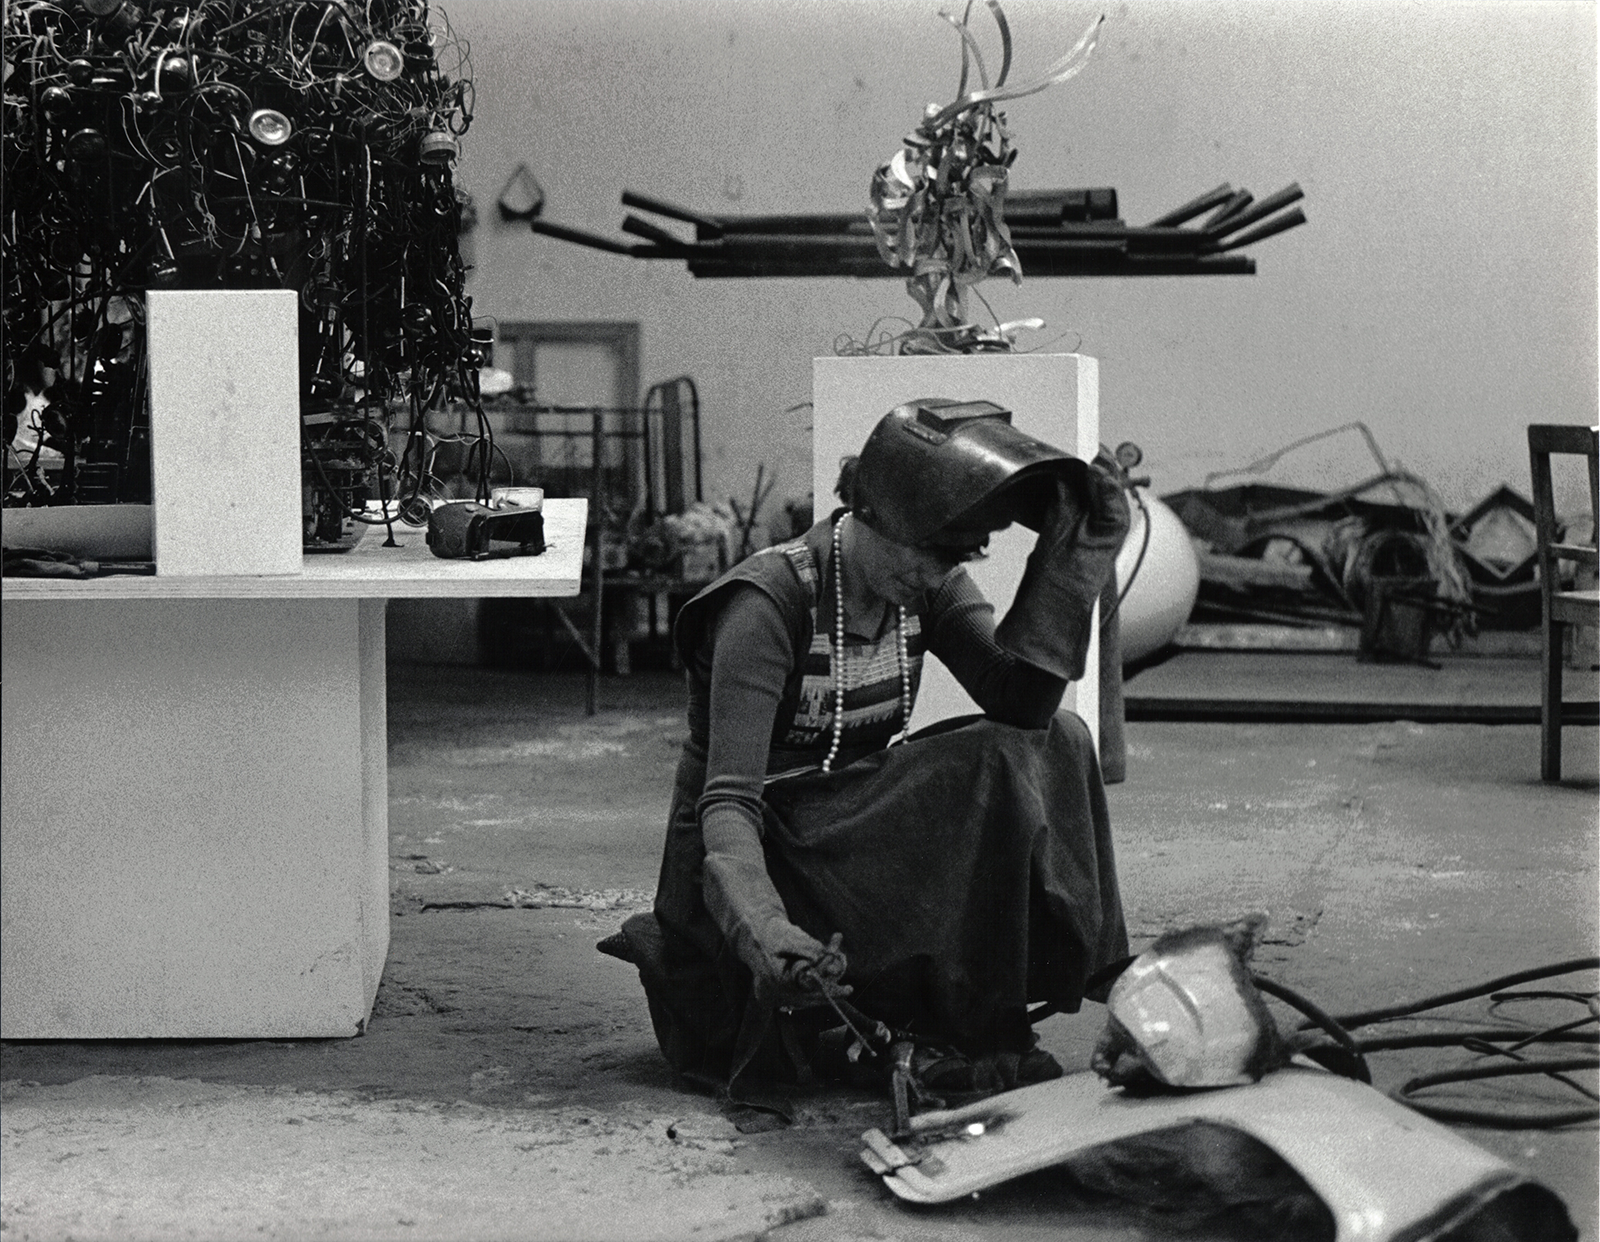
{"x": 1561, "y": 608}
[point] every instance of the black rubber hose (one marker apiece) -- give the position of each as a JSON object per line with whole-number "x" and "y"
{"x": 1354, "y": 1020}
{"x": 1550, "y": 1065}
{"x": 1454, "y": 1038}
{"x": 1545, "y": 1119}
{"x": 1138, "y": 564}
{"x": 1316, "y": 1017}
{"x": 1551, "y": 1120}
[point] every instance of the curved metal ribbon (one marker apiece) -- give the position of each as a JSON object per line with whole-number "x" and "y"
{"x": 1067, "y": 67}
{"x": 937, "y": 206}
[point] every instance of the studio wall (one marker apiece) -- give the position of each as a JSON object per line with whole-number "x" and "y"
{"x": 1444, "y": 290}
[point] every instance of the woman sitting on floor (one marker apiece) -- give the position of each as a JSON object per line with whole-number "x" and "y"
{"x": 944, "y": 881}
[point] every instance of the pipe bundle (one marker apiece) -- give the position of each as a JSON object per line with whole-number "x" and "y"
{"x": 1073, "y": 232}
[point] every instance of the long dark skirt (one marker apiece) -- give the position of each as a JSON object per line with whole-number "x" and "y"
{"x": 969, "y": 871}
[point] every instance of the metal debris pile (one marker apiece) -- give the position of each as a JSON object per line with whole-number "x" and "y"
{"x": 554, "y": 896}
{"x": 1382, "y": 554}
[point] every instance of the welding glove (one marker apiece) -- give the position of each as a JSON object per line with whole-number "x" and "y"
{"x": 1048, "y": 624}
{"x": 789, "y": 967}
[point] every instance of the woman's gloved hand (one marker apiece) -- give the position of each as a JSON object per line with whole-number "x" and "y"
{"x": 1106, "y": 517}
{"x": 789, "y": 967}
{"x": 815, "y": 974}
{"x": 1048, "y": 624}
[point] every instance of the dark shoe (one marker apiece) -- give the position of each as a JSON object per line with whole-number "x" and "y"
{"x": 943, "y": 1071}
{"x": 962, "y": 1079}
{"x": 956, "y": 1077}
{"x": 639, "y": 942}
{"x": 1037, "y": 1065}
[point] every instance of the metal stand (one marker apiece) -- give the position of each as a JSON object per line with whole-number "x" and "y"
{"x": 590, "y": 647}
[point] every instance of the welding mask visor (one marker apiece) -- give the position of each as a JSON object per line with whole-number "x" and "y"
{"x": 945, "y": 474}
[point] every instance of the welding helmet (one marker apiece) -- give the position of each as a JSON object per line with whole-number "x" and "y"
{"x": 944, "y": 473}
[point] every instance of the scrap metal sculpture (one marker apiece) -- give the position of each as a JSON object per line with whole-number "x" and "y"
{"x": 941, "y": 210}
{"x": 230, "y": 144}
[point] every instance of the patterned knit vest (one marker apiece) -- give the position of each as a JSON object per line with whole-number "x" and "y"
{"x": 871, "y": 675}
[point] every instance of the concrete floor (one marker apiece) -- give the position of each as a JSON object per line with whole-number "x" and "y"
{"x": 509, "y": 1086}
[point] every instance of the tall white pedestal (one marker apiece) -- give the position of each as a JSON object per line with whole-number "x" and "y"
{"x": 1055, "y": 397}
{"x": 225, "y": 430}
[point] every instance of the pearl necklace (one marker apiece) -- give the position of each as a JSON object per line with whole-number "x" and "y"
{"x": 837, "y": 659}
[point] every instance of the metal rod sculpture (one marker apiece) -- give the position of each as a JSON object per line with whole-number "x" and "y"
{"x": 1074, "y": 232}
{"x": 941, "y": 214}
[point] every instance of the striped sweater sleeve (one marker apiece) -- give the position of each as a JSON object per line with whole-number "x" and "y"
{"x": 1004, "y": 686}
{"x": 752, "y": 654}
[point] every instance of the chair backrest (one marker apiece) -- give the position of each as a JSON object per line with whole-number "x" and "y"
{"x": 1545, "y": 440}
{"x": 672, "y": 446}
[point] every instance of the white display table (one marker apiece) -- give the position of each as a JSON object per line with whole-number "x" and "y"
{"x": 194, "y": 781}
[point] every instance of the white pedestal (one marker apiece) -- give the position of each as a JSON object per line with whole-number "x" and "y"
{"x": 196, "y": 836}
{"x": 1055, "y": 397}
{"x": 194, "y": 785}
{"x": 225, "y": 430}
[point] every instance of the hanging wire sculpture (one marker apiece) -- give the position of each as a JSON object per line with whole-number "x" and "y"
{"x": 297, "y": 144}
{"x": 937, "y": 206}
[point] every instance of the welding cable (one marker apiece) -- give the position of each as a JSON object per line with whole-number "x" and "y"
{"x": 1552, "y": 1068}
{"x": 1577, "y": 998}
{"x": 1482, "y": 1040}
{"x": 1539, "y": 1120}
{"x": 1406, "y": 1008}
{"x": 1486, "y": 1036}
{"x": 1131, "y": 486}
{"x": 1315, "y": 1016}
{"x": 1138, "y": 563}
{"x": 1488, "y": 1049}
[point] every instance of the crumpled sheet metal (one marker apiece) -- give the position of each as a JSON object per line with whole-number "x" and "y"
{"x": 1388, "y": 1174}
{"x": 1193, "y": 1016}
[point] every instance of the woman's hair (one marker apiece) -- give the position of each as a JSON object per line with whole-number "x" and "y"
{"x": 845, "y": 488}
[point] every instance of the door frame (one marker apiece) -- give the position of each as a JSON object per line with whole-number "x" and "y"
{"x": 521, "y": 335}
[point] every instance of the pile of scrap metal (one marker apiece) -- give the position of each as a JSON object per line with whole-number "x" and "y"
{"x": 1499, "y": 545}
{"x": 1074, "y": 232}
{"x": 1382, "y": 555}
{"x": 703, "y": 540}
{"x": 695, "y": 545}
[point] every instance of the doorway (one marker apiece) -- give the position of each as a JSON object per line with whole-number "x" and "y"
{"x": 566, "y": 375}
